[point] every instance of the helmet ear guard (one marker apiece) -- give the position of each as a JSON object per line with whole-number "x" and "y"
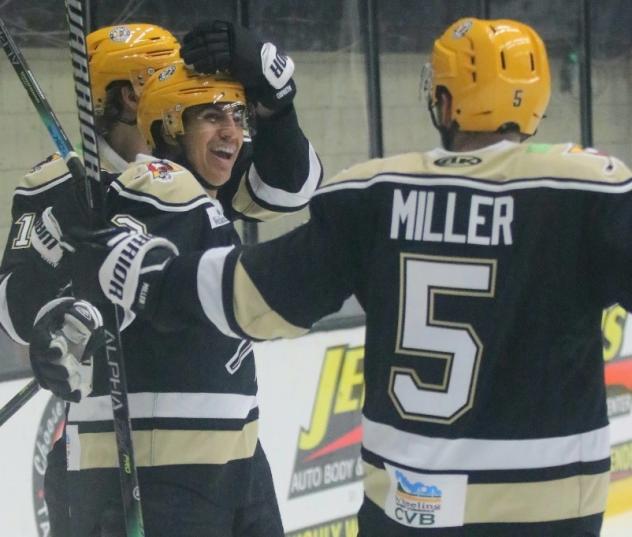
{"x": 497, "y": 75}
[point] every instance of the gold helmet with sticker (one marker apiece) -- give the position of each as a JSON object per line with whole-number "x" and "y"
{"x": 130, "y": 52}
{"x": 175, "y": 88}
{"x": 497, "y": 73}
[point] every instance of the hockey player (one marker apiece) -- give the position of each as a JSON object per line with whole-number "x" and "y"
{"x": 121, "y": 59}
{"x": 483, "y": 266}
{"x": 202, "y": 470}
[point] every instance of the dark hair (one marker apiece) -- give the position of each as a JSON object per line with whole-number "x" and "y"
{"x": 113, "y": 106}
{"x": 163, "y": 149}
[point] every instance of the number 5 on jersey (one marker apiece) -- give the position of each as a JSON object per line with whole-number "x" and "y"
{"x": 422, "y": 279}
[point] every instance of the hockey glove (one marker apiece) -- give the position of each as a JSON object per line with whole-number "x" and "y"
{"x": 49, "y": 230}
{"x": 66, "y": 334}
{"x": 265, "y": 71}
{"x": 121, "y": 266}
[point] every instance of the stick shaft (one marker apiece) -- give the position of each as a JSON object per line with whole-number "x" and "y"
{"x": 130, "y": 490}
{"x": 18, "y": 401}
{"x": 35, "y": 93}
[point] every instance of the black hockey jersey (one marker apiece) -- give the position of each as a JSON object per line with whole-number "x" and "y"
{"x": 192, "y": 390}
{"x": 26, "y": 284}
{"x": 483, "y": 276}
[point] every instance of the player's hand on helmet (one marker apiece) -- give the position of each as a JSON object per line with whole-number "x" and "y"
{"x": 66, "y": 334}
{"x": 264, "y": 70}
{"x": 120, "y": 266}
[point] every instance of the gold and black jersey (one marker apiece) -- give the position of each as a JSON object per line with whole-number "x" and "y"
{"x": 43, "y": 185}
{"x": 192, "y": 389}
{"x": 483, "y": 276}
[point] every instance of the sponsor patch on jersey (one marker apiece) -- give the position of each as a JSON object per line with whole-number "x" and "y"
{"x": 592, "y": 152}
{"x": 462, "y": 29}
{"x": 120, "y": 34}
{"x": 161, "y": 171}
{"x": 425, "y": 500}
{"x": 216, "y": 217}
{"x": 39, "y": 165}
{"x": 457, "y": 161}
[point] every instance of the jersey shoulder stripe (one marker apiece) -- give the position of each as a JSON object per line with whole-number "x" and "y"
{"x": 43, "y": 176}
{"x": 505, "y": 166}
{"x": 408, "y": 163}
{"x": 163, "y": 184}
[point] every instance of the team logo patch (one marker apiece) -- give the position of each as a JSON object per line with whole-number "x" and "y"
{"x": 161, "y": 171}
{"x": 425, "y": 500}
{"x": 50, "y": 429}
{"x": 462, "y": 29}
{"x": 166, "y": 73}
{"x": 120, "y": 34}
{"x": 457, "y": 161}
{"x": 39, "y": 165}
{"x": 609, "y": 164}
{"x": 328, "y": 451}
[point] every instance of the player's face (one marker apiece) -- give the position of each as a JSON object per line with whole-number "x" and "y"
{"x": 213, "y": 136}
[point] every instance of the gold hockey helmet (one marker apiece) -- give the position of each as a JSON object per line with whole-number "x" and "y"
{"x": 169, "y": 92}
{"x": 127, "y": 52}
{"x": 496, "y": 71}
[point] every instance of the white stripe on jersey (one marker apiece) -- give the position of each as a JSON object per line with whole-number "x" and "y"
{"x": 423, "y": 181}
{"x": 167, "y": 405}
{"x": 5, "y": 317}
{"x": 46, "y": 186}
{"x": 197, "y": 202}
{"x": 281, "y": 198}
{"x": 209, "y": 287}
{"x": 469, "y": 454}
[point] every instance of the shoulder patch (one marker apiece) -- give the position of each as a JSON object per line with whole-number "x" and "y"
{"x": 577, "y": 162}
{"x": 161, "y": 183}
{"x": 49, "y": 158}
{"x": 45, "y": 174}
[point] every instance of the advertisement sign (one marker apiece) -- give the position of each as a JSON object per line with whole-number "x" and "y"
{"x": 311, "y": 393}
{"x": 617, "y": 338}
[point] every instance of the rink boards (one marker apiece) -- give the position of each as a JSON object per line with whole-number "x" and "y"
{"x": 311, "y": 392}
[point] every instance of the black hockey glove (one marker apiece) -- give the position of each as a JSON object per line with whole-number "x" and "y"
{"x": 48, "y": 237}
{"x": 265, "y": 71}
{"x": 120, "y": 266}
{"x": 65, "y": 336}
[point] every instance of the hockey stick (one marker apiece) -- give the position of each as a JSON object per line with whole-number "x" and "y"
{"x": 18, "y": 401}
{"x": 113, "y": 350}
{"x": 40, "y": 102}
{"x": 130, "y": 490}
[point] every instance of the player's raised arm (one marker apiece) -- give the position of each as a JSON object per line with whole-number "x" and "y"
{"x": 279, "y": 171}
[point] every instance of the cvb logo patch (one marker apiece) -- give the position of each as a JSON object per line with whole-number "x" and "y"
{"x": 458, "y": 161}
{"x": 328, "y": 451}
{"x": 425, "y": 500}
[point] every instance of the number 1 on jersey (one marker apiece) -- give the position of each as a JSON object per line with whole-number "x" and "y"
{"x": 422, "y": 279}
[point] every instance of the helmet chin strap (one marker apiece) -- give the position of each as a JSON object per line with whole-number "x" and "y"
{"x": 130, "y": 122}
{"x": 446, "y": 133}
